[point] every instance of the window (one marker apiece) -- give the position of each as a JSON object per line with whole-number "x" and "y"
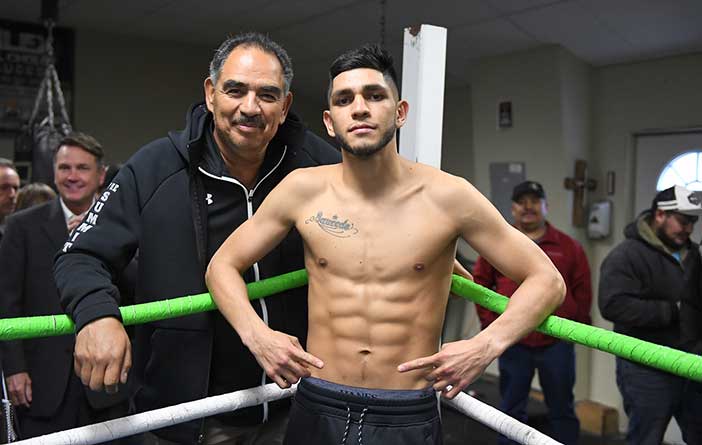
{"x": 685, "y": 170}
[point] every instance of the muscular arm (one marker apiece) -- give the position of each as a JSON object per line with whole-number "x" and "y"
{"x": 540, "y": 292}
{"x": 280, "y": 355}
{"x": 541, "y": 288}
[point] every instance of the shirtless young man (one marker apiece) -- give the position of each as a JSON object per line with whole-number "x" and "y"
{"x": 380, "y": 237}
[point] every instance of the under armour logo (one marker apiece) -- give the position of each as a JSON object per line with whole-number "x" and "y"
{"x": 208, "y": 198}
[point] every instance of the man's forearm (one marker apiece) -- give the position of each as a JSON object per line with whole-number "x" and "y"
{"x": 229, "y": 293}
{"x": 85, "y": 288}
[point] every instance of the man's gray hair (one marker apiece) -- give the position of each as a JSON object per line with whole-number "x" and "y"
{"x": 4, "y": 162}
{"x": 256, "y": 40}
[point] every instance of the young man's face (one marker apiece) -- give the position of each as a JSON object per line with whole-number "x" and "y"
{"x": 529, "y": 212}
{"x": 364, "y": 112}
{"x": 77, "y": 176}
{"x": 673, "y": 228}
{"x": 9, "y": 184}
{"x": 248, "y": 102}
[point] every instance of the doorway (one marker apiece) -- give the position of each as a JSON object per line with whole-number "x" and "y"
{"x": 655, "y": 152}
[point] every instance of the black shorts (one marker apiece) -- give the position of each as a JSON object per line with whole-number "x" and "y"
{"x": 327, "y": 413}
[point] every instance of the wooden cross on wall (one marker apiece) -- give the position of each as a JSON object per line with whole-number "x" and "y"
{"x": 580, "y": 184}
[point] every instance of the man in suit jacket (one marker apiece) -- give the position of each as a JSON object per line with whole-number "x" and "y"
{"x": 9, "y": 185}
{"x": 39, "y": 371}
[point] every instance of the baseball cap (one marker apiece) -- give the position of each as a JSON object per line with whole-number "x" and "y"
{"x": 679, "y": 199}
{"x": 525, "y": 187}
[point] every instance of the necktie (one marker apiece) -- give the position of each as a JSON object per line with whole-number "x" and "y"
{"x": 74, "y": 221}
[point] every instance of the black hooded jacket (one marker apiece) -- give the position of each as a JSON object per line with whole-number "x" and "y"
{"x": 642, "y": 286}
{"x": 158, "y": 204}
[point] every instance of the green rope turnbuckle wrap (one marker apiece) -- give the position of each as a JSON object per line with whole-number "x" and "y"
{"x": 649, "y": 354}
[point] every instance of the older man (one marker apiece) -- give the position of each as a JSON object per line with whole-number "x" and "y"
{"x": 176, "y": 200}
{"x": 9, "y": 185}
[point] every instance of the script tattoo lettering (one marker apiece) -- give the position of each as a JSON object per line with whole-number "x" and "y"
{"x": 333, "y": 226}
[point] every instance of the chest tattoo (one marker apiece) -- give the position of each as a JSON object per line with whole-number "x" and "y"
{"x": 334, "y": 225}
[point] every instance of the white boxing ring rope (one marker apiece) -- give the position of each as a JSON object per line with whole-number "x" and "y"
{"x": 173, "y": 415}
{"x": 163, "y": 417}
{"x": 498, "y": 421}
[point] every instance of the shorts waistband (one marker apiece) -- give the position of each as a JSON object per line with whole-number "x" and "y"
{"x": 377, "y": 400}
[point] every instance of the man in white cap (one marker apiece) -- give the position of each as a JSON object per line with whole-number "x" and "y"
{"x": 643, "y": 281}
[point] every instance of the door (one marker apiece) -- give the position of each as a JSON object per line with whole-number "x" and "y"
{"x": 655, "y": 152}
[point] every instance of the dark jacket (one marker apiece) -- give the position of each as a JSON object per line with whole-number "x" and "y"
{"x": 157, "y": 204}
{"x": 641, "y": 285}
{"x": 691, "y": 318}
{"x": 27, "y": 287}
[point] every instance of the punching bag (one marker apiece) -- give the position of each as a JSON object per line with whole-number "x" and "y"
{"x": 48, "y": 123}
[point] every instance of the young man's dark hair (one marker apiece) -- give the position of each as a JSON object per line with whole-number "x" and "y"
{"x": 84, "y": 141}
{"x": 257, "y": 40}
{"x": 371, "y": 56}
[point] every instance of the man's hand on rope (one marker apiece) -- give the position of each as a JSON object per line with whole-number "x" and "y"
{"x": 103, "y": 355}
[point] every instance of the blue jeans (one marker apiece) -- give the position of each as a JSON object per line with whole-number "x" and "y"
{"x": 556, "y": 367}
{"x": 651, "y": 398}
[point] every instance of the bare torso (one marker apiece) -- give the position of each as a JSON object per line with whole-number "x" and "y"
{"x": 379, "y": 273}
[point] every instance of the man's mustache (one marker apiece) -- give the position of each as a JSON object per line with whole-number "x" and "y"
{"x": 254, "y": 121}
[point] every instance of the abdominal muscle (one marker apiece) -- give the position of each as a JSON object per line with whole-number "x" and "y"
{"x": 363, "y": 332}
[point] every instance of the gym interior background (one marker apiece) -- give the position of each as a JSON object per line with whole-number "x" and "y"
{"x": 587, "y": 80}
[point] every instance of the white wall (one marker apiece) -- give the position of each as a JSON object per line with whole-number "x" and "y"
{"x": 575, "y": 93}
{"x": 457, "y": 137}
{"x": 530, "y": 80}
{"x": 129, "y": 91}
{"x": 549, "y": 90}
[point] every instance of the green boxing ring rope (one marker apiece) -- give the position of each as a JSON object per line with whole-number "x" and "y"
{"x": 649, "y": 354}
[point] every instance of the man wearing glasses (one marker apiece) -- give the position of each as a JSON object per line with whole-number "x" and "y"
{"x": 643, "y": 281}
